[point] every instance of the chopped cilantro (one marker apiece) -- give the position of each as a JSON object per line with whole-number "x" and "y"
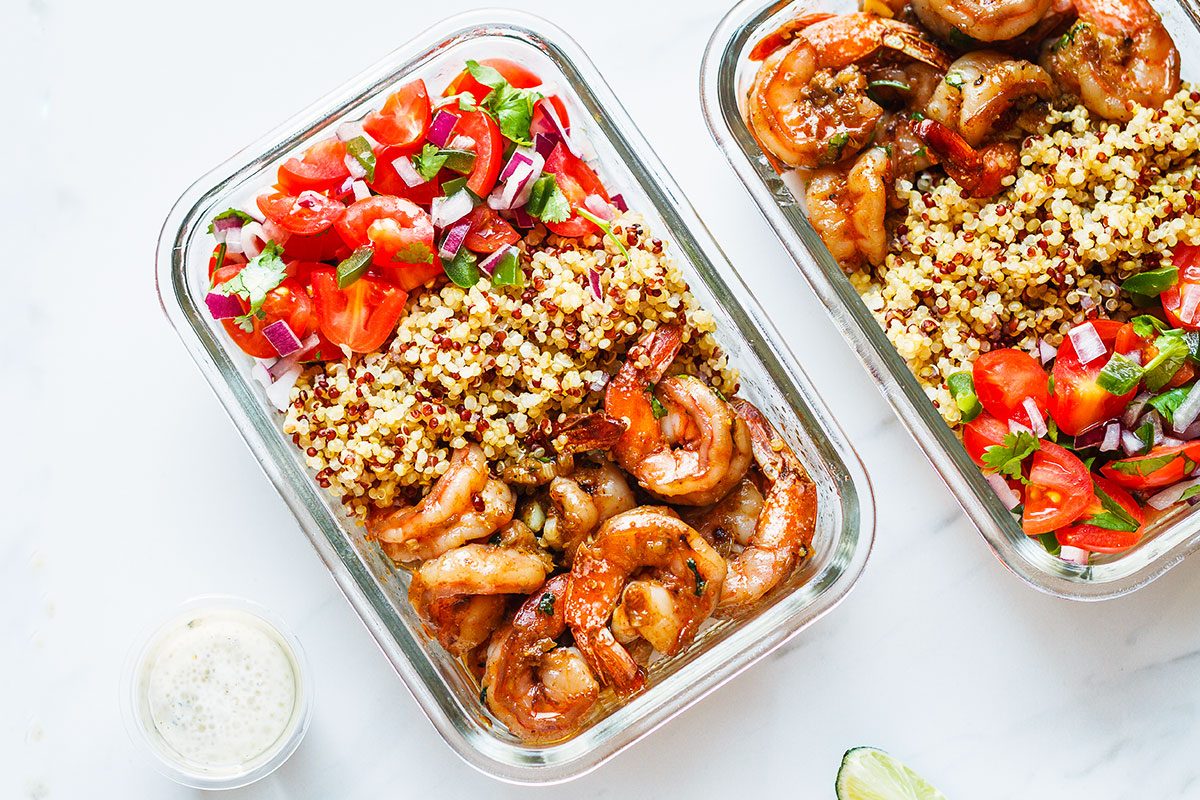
{"x": 1114, "y": 517}
{"x": 1172, "y": 352}
{"x": 1167, "y": 402}
{"x": 1143, "y": 466}
{"x": 656, "y": 406}
{"x": 511, "y": 107}
{"x": 253, "y": 281}
{"x": 1146, "y": 326}
{"x": 414, "y": 253}
{"x": 837, "y": 143}
{"x": 1119, "y": 375}
{"x": 229, "y": 213}
{"x": 546, "y": 604}
{"x": 429, "y": 162}
{"x": 546, "y": 200}
{"x": 1050, "y": 542}
{"x": 1006, "y": 459}
{"x": 700, "y": 582}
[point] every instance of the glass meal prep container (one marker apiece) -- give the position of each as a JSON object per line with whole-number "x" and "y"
{"x": 378, "y": 590}
{"x": 726, "y": 76}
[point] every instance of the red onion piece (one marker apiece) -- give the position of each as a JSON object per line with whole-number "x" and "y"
{"x": 455, "y": 236}
{"x": 1074, "y": 555}
{"x": 357, "y": 170}
{"x": 555, "y": 127}
{"x": 515, "y": 190}
{"x": 1135, "y": 408}
{"x": 1131, "y": 443}
{"x": 522, "y": 218}
{"x": 349, "y": 130}
{"x": 448, "y": 210}
{"x": 254, "y": 239}
{"x": 598, "y": 206}
{"x": 1171, "y": 495}
{"x": 361, "y": 192}
{"x": 223, "y": 306}
{"x": 1016, "y": 427}
{"x": 1189, "y": 302}
{"x": 1008, "y": 497}
{"x": 594, "y": 281}
{"x": 281, "y": 366}
{"x": 282, "y": 338}
{"x": 1046, "y": 351}
{"x": 276, "y": 233}
{"x": 1088, "y": 344}
{"x": 1188, "y": 410}
{"x": 441, "y": 127}
{"x": 227, "y": 223}
{"x": 619, "y": 202}
{"x": 1112, "y": 437}
{"x": 488, "y": 265}
{"x": 518, "y": 158}
{"x": 233, "y": 240}
{"x": 252, "y": 210}
{"x": 407, "y": 172}
{"x": 544, "y": 143}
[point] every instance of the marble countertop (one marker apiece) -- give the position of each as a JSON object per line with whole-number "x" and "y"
{"x": 127, "y": 490}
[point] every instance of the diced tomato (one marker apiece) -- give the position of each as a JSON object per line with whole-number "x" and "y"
{"x": 517, "y": 76}
{"x": 1181, "y": 303}
{"x": 307, "y": 214}
{"x": 1097, "y": 539}
{"x": 289, "y": 301}
{"x": 576, "y": 180}
{"x": 322, "y": 168}
{"x": 1162, "y": 466}
{"x": 1059, "y": 490}
{"x": 1003, "y": 381}
{"x": 1078, "y": 402}
{"x": 488, "y": 146}
{"x": 981, "y": 433}
{"x": 363, "y": 315}
{"x": 404, "y": 118}
{"x": 410, "y": 278}
{"x": 400, "y": 232}
{"x": 325, "y": 246}
{"x": 388, "y": 181}
{"x": 489, "y": 232}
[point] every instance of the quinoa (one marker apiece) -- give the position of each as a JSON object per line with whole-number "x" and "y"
{"x": 1092, "y": 203}
{"x": 494, "y": 365}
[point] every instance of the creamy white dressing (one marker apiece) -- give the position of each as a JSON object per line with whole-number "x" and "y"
{"x": 221, "y": 689}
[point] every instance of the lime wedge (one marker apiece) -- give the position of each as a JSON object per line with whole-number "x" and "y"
{"x": 870, "y": 774}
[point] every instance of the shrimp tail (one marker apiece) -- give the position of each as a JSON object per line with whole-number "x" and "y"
{"x": 980, "y": 173}
{"x": 583, "y": 432}
{"x": 610, "y": 661}
{"x": 784, "y": 34}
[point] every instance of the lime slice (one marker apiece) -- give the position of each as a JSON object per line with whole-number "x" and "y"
{"x": 870, "y": 774}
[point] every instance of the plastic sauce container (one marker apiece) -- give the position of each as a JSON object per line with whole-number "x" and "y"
{"x": 219, "y": 694}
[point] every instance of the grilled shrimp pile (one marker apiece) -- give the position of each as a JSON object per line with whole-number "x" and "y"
{"x": 856, "y": 101}
{"x": 563, "y": 577}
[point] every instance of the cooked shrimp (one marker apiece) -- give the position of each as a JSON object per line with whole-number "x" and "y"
{"x": 847, "y": 208}
{"x": 980, "y": 173}
{"x": 958, "y": 21}
{"x": 491, "y": 508}
{"x": 691, "y": 448}
{"x": 459, "y": 594}
{"x": 732, "y": 521}
{"x": 538, "y": 688}
{"x": 1118, "y": 56}
{"x": 581, "y": 502}
{"x": 808, "y": 106}
{"x": 785, "y": 526}
{"x": 646, "y": 538}
{"x": 984, "y": 90}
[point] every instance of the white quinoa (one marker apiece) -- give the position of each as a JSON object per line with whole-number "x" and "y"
{"x": 494, "y": 365}
{"x": 1092, "y": 203}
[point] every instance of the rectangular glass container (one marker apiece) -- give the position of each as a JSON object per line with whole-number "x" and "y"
{"x": 375, "y": 588}
{"x": 726, "y": 75}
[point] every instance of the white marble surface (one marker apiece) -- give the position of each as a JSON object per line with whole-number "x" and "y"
{"x": 126, "y": 489}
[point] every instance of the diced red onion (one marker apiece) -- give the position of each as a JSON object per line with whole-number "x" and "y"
{"x": 1170, "y": 441}
{"x": 488, "y": 265}
{"x": 1135, "y": 408}
{"x": 448, "y": 210}
{"x": 619, "y": 202}
{"x": 441, "y": 127}
{"x": 281, "y": 366}
{"x": 282, "y": 338}
{"x": 556, "y": 126}
{"x": 1037, "y": 423}
{"x": 233, "y": 240}
{"x": 254, "y": 239}
{"x": 522, "y": 218}
{"x": 349, "y": 130}
{"x": 597, "y": 205}
{"x": 1155, "y": 420}
{"x": 1092, "y": 437}
{"x": 407, "y": 172}
{"x": 1016, "y": 427}
{"x": 223, "y": 306}
{"x": 357, "y": 170}
{"x": 1131, "y": 443}
{"x": 1088, "y": 344}
{"x": 1190, "y": 432}
{"x": 544, "y": 143}
{"x": 462, "y": 142}
{"x": 1171, "y": 495}
{"x": 227, "y": 223}
{"x": 1074, "y": 555}
{"x": 515, "y": 190}
{"x": 1112, "y": 437}
{"x": 455, "y": 236}
{"x": 1008, "y": 497}
{"x": 360, "y": 189}
{"x": 518, "y": 158}
{"x": 1046, "y": 351}
{"x": 278, "y": 390}
{"x": 1188, "y": 410}
{"x": 1189, "y": 302}
{"x": 594, "y": 281}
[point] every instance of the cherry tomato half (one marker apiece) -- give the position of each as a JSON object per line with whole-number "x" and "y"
{"x": 388, "y": 181}
{"x": 488, "y": 146}
{"x": 981, "y": 433}
{"x": 324, "y": 246}
{"x": 363, "y": 315}
{"x": 400, "y": 232}
{"x": 1162, "y": 466}
{"x": 289, "y": 301}
{"x": 1078, "y": 403}
{"x": 1096, "y": 539}
{"x": 489, "y": 232}
{"x": 1059, "y": 490}
{"x": 576, "y": 180}
{"x": 307, "y": 214}
{"x": 322, "y": 168}
{"x": 517, "y": 76}
{"x": 1181, "y": 296}
{"x": 404, "y": 118}
{"x": 1005, "y": 378}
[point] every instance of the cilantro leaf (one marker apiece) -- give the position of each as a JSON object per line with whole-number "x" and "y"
{"x": 1114, "y": 517}
{"x": 546, "y": 200}
{"x": 1167, "y": 402}
{"x": 546, "y": 604}
{"x": 429, "y": 162}
{"x": 1143, "y": 466}
{"x": 1146, "y": 326}
{"x": 414, "y": 253}
{"x": 252, "y": 283}
{"x": 229, "y": 213}
{"x": 1006, "y": 459}
{"x": 700, "y": 582}
{"x": 511, "y": 107}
